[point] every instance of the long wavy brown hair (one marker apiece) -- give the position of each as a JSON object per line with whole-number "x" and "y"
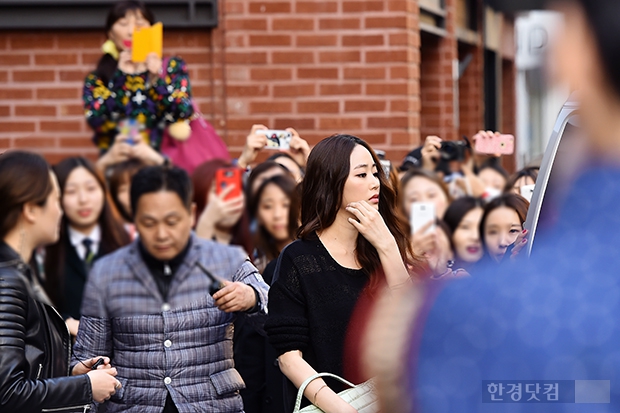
{"x": 322, "y": 190}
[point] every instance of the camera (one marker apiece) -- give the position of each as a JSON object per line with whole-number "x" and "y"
{"x": 454, "y": 150}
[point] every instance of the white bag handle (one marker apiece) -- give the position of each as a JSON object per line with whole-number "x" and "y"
{"x": 305, "y": 384}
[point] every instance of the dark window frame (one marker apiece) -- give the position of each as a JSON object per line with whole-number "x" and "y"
{"x": 91, "y": 14}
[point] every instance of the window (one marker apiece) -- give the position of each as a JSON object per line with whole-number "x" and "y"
{"x": 432, "y": 17}
{"x": 90, "y": 14}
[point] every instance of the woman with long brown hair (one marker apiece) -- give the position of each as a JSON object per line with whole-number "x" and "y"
{"x": 352, "y": 237}
{"x": 275, "y": 209}
{"x": 89, "y": 230}
{"x": 34, "y": 342}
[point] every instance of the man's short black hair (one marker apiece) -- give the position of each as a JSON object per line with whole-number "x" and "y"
{"x": 161, "y": 178}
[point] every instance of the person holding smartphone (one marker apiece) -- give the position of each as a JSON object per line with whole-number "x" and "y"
{"x": 352, "y": 237}
{"x": 553, "y": 317}
{"x": 256, "y": 141}
{"x": 35, "y": 344}
{"x": 522, "y": 182}
{"x": 220, "y": 205}
{"x": 501, "y": 226}
{"x": 152, "y": 307}
{"x": 464, "y": 175}
{"x": 421, "y": 186}
{"x": 126, "y": 103}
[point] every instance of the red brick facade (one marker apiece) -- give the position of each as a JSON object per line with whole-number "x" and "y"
{"x": 355, "y": 66}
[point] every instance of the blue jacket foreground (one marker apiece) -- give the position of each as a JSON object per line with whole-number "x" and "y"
{"x": 183, "y": 346}
{"x": 554, "y": 317}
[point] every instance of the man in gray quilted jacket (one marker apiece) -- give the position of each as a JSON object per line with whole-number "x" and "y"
{"x": 148, "y": 307}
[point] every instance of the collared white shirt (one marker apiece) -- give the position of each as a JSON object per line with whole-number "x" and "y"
{"x": 76, "y": 239}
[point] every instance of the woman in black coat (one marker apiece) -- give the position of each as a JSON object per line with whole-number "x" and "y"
{"x": 34, "y": 341}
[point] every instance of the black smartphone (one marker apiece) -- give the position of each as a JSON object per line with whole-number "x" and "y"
{"x": 97, "y": 363}
{"x": 216, "y": 283}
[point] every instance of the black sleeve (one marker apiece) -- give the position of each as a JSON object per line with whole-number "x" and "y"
{"x": 268, "y": 272}
{"x": 18, "y": 393}
{"x": 287, "y": 323}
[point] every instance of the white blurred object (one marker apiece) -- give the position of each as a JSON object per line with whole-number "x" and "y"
{"x": 527, "y": 191}
{"x": 421, "y": 214}
{"x": 538, "y": 101}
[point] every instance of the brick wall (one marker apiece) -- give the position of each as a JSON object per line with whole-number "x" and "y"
{"x": 471, "y": 91}
{"x": 41, "y": 77}
{"x": 322, "y": 67}
{"x": 509, "y": 109}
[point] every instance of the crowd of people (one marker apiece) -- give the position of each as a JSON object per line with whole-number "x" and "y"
{"x": 193, "y": 292}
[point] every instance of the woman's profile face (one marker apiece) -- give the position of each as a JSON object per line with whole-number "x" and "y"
{"x": 466, "y": 237}
{"x": 501, "y": 228}
{"x": 273, "y": 212}
{"x": 122, "y": 30}
{"x": 362, "y": 183}
{"x": 82, "y": 199}
{"x": 421, "y": 189}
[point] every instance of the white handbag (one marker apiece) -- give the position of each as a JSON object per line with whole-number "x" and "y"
{"x": 362, "y": 397}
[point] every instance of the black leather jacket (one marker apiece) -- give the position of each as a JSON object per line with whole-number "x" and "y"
{"x": 35, "y": 348}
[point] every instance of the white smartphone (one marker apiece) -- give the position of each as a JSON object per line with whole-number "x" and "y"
{"x": 527, "y": 191}
{"x": 277, "y": 139}
{"x": 421, "y": 214}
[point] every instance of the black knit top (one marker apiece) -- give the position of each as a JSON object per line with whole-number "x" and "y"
{"x": 311, "y": 303}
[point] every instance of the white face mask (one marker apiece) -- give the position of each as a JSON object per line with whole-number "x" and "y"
{"x": 490, "y": 194}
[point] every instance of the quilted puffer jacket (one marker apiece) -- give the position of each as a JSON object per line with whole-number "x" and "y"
{"x": 180, "y": 346}
{"x": 35, "y": 348}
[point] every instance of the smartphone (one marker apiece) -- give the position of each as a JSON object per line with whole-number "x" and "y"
{"x": 131, "y": 129}
{"x": 421, "y": 214}
{"x": 496, "y": 144}
{"x": 228, "y": 176}
{"x": 277, "y": 139}
{"x": 527, "y": 191}
{"x": 387, "y": 167}
{"x": 216, "y": 283}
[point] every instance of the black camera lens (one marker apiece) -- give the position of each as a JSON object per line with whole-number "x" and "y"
{"x": 448, "y": 151}
{"x": 452, "y": 150}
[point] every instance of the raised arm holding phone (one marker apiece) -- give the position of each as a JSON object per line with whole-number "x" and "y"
{"x": 261, "y": 137}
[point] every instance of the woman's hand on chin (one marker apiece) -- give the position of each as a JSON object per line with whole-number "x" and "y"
{"x": 369, "y": 222}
